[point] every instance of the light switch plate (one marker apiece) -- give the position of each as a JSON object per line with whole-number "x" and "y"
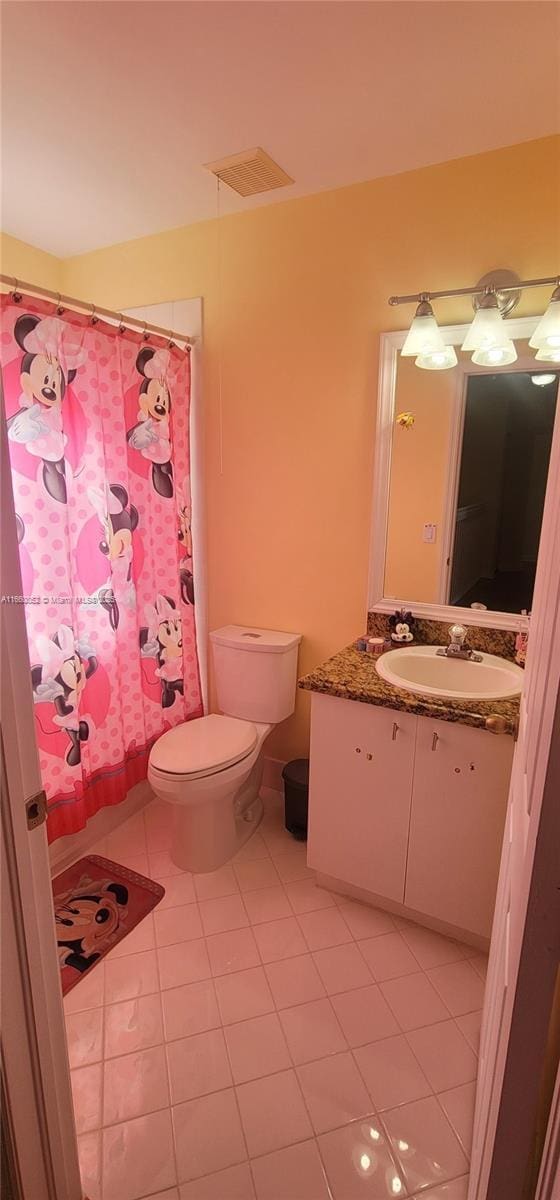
{"x": 429, "y": 533}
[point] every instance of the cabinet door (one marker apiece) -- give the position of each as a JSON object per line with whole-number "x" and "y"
{"x": 360, "y": 793}
{"x": 459, "y": 801}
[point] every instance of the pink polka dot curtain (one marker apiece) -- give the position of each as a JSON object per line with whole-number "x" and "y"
{"x": 98, "y": 431}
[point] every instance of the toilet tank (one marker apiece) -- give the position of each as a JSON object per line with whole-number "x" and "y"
{"x": 255, "y": 672}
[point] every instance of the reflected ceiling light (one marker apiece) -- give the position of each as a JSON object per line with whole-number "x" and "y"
{"x": 487, "y": 335}
{"x": 542, "y": 380}
{"x": 547, "y": 334}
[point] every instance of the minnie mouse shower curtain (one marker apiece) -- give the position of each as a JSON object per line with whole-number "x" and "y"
{"x": 98, "y": 432}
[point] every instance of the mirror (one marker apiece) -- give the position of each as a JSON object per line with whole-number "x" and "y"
{"x": 464, "y": 454}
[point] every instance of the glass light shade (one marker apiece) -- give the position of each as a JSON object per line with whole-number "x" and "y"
{"x": 438, "y": 360}
{"x": 487, "y": 329}
{"x": 548, "y": 355}
{"x": 496, "y": 356}
{"x": 423, "y": 336}
{"x": 547, "y": 333}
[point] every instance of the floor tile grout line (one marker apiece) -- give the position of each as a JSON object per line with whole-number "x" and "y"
{"x": 277, "y": 1008}
{"x": 102, "y": 1101}
{"x": 400, "y": 1166}
{"x": 437, "y": 1095}
{"x": 374, "y": 1111}
{"x": 413, "y": 1052}
{"x": 167, "y": 1072}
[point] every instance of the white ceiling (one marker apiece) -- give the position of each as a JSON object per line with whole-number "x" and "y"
{"x": 109, "y": 109}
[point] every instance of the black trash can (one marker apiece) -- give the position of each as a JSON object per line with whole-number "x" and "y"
{"x": 296, "y": 793}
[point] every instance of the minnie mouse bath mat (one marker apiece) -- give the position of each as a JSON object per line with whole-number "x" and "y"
{"x": 96, "y": 903}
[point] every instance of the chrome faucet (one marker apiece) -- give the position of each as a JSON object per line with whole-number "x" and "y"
{"x": 457, "y": 647}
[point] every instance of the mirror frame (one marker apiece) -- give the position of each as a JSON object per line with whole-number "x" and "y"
{"x": 390, "y": 344}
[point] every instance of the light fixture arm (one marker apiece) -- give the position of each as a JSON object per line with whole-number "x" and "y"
{"x": 475, "y": 291}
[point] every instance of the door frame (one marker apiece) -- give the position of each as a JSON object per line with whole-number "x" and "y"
{"x": 35, "y": 1068}
{"x": 525, "y": 945}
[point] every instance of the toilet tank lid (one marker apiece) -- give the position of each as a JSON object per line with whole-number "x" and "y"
{"x": 250, "y": 637}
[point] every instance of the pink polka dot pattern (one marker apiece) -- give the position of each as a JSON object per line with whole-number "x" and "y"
{"x": 83, "y": 590}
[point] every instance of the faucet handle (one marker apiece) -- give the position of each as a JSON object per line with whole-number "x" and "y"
{"x": 457, "y": 635}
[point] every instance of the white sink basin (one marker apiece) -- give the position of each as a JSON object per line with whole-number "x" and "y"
{"x": 419, "y": 669}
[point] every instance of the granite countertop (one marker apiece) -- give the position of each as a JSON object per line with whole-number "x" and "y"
{"x": 351, "y": 675}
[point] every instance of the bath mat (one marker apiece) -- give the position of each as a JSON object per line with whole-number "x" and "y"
{"x": 96, "y": 903}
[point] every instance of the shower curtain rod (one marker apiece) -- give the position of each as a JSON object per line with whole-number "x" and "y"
{"x": 19, "y": 285}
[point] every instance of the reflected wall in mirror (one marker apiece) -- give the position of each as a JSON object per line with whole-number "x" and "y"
{"x": 467, "y": 483}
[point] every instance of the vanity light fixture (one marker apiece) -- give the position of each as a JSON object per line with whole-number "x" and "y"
{"x": 488, "y": 337}
{"x": 425, "y": 343}
{"x": 493, "y": 298}
{"x": 546, "y": 338}
{"x": 423, "y": 336}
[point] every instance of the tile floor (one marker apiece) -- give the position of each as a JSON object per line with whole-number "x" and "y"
{"x": 257, "y": 1038}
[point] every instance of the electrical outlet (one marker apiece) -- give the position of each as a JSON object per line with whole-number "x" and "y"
{"x": 429, "y": 533}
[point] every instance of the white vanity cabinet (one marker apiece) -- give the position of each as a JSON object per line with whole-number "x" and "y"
{"x": 420, "y": 821}
{"x": 459, "y": 798}
{"x": 360, "y": 784}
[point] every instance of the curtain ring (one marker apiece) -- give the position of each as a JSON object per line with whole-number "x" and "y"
{"x": 145, "y": 334}
{"x": 59, "y": 306}
{"x": 171, "y": 343}
{"x": 93, "y": 319}
{"x": 16, "y": 296}
{"x": 122, "y": 326}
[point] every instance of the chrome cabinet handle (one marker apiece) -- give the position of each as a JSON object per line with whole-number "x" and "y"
{"x": 395, "y": 731}
{"x": 435, "y": 740}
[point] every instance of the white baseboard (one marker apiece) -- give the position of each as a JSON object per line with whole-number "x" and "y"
{"x": 66, "y": 850}
{"x": 272, "y": 774}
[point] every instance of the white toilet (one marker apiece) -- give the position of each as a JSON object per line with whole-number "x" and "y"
{"x": 211, "y": 768}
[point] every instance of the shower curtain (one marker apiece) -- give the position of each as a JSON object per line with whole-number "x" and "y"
{"x": 98, "y": 432}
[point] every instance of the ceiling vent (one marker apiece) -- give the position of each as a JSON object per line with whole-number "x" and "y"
{"x": 250, "y": 172}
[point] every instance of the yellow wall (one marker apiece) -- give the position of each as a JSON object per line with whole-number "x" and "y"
{"x": 29, "y": 263}
{"x": 297, "y": 320}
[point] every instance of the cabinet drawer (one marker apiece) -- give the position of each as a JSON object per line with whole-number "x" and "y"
{"x": 362, "y": 760}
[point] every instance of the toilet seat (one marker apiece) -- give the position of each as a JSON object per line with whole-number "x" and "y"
{"x": 202, "y": 747}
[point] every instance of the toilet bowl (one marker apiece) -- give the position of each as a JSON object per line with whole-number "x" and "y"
{"x": 210, "y": 769}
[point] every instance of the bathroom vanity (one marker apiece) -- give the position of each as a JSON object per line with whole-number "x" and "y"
{"x": 407, "y": 796}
